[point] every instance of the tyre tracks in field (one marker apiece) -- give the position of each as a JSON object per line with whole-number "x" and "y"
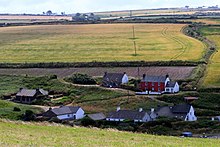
{"x": 178, "y": 41}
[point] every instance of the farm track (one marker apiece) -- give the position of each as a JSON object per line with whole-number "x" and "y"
{"x": 181, "y": 43}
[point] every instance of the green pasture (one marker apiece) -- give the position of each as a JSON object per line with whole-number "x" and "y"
{"x": 44, "y": 134}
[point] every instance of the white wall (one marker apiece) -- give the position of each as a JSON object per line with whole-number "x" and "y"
{"x": 66, "y": 116}
{"x": 125, "y": 79}
{"x": 80, "y": 114}
{"x": 167, "y": 80}
{"x": 191, "y": 115}
{"x": 176, "y": 88}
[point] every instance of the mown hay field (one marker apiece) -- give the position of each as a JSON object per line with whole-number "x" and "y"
{"x": 212, "y": 78}
{"x": 44, "y": 134}
{"x": 99, "y": 42}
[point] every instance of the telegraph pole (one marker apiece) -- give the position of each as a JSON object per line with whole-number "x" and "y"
{"x": 135, "y": 47}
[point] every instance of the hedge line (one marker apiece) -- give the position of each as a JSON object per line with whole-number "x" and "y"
{"x": 100, "y": 64}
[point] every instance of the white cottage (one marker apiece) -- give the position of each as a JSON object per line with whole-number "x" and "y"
{"x": 172, "y": 87}
{"x": 132, "y": 115}
{"x": 185, "y": 112}
{"x": 114, "y": 79}
{"x": 65, "y": 113}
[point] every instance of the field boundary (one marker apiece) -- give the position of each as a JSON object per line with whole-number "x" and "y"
{"x": 102, "y": 64}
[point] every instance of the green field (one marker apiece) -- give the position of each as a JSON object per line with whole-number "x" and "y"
{"x": 20, "y": 134}
{"x": 212, "y": 78}
{"x": 102, "y": 42}
{"x": 7, "y": 110}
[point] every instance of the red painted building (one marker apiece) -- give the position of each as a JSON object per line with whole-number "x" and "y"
{"x": 154, "y": 83}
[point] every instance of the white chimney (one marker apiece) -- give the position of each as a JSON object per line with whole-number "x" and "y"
{"x": 118, "y": 108}
{"x": 140, "y": 109}
{"x": 152, "y": 110}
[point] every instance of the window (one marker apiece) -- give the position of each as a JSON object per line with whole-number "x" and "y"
{"x": 159, "y": 84}
{"x": 153, "y": 84}
{"x": 153, "y": 89}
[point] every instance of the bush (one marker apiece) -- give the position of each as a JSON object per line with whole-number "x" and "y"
{"x": 28, "y": 115}
{"x": 82, "y": 79}
{"x": 87, "y": 122}
{"x": 16, "y": 109}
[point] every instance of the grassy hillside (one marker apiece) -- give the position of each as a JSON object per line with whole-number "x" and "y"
{"x": 212, "y": 78}
{"x": 92, "y": 99}
{"x": 108, "y": 42}
{"x": 20, "y": 134}
{"x": 7, "y": 110}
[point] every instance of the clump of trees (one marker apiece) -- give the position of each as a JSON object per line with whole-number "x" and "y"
{"x": 79, "y": 78}
{"x": 85, "y": 17}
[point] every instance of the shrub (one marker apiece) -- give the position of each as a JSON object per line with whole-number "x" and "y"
{"x": 16, "y": 109}
{"x": 28, "y": 115}
{"x": 82, "y": 79}
{"x": 87, "y": 122}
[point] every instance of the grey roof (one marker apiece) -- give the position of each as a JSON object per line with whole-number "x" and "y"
{"x": 97, "y": 116}
{"x": 155, "y": 78}
{"x": 127, "y": 114}
{"x": 30, "y": 92}
{"x": 183, "y": 108}
{"x": 171, "y": 84}
{"x": 178, "y": 111}
{"x": 113, "y": 77}
{"x": 65, "y": 110}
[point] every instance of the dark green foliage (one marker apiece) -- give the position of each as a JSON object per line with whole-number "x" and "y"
{"x": 82, "y": 79}
{"x": 17, "y": 109}
{"x": 87, "y": 122}
{"x": 29, "y": 115}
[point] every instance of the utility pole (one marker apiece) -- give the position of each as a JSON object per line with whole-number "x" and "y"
{"x": 130, "y": 13}
{"x": 135, "y": 47}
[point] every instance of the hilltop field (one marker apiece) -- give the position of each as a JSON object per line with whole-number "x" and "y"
{"x": 212, "y": 75}
{"x": 101, "y": 42}
{"x": 28, "y": 134}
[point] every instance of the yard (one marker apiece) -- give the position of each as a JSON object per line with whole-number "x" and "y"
{"x": 102, "y": 42}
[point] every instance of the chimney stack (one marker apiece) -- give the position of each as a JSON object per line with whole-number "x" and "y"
{"x": 118, "y": 108}
{"x": 152, "y": 110}
{"x": 140, "y": 109}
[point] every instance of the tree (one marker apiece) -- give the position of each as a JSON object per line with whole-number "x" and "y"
{"x": 49, "y": 12}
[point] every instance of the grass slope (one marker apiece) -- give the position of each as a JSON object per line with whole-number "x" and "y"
{"x": 101, "y": 42}
{"x": 6, "y": 110}
{"x": 19, "y": 134}
{"x": 212, "y": 78}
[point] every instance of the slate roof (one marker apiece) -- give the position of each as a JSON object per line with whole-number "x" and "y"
{"x": 126, "y": 114}
{"x": 113, "y": 79}
{"x": 184, "y": 108}
{"x": 97, "y": 116}
{"x": 178, "y": 111}
{"x": 30, "y": 92}
{"x": 155, "y": 78}
{"x": 65, "y": 110}
{"x": 171, "y": 84}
